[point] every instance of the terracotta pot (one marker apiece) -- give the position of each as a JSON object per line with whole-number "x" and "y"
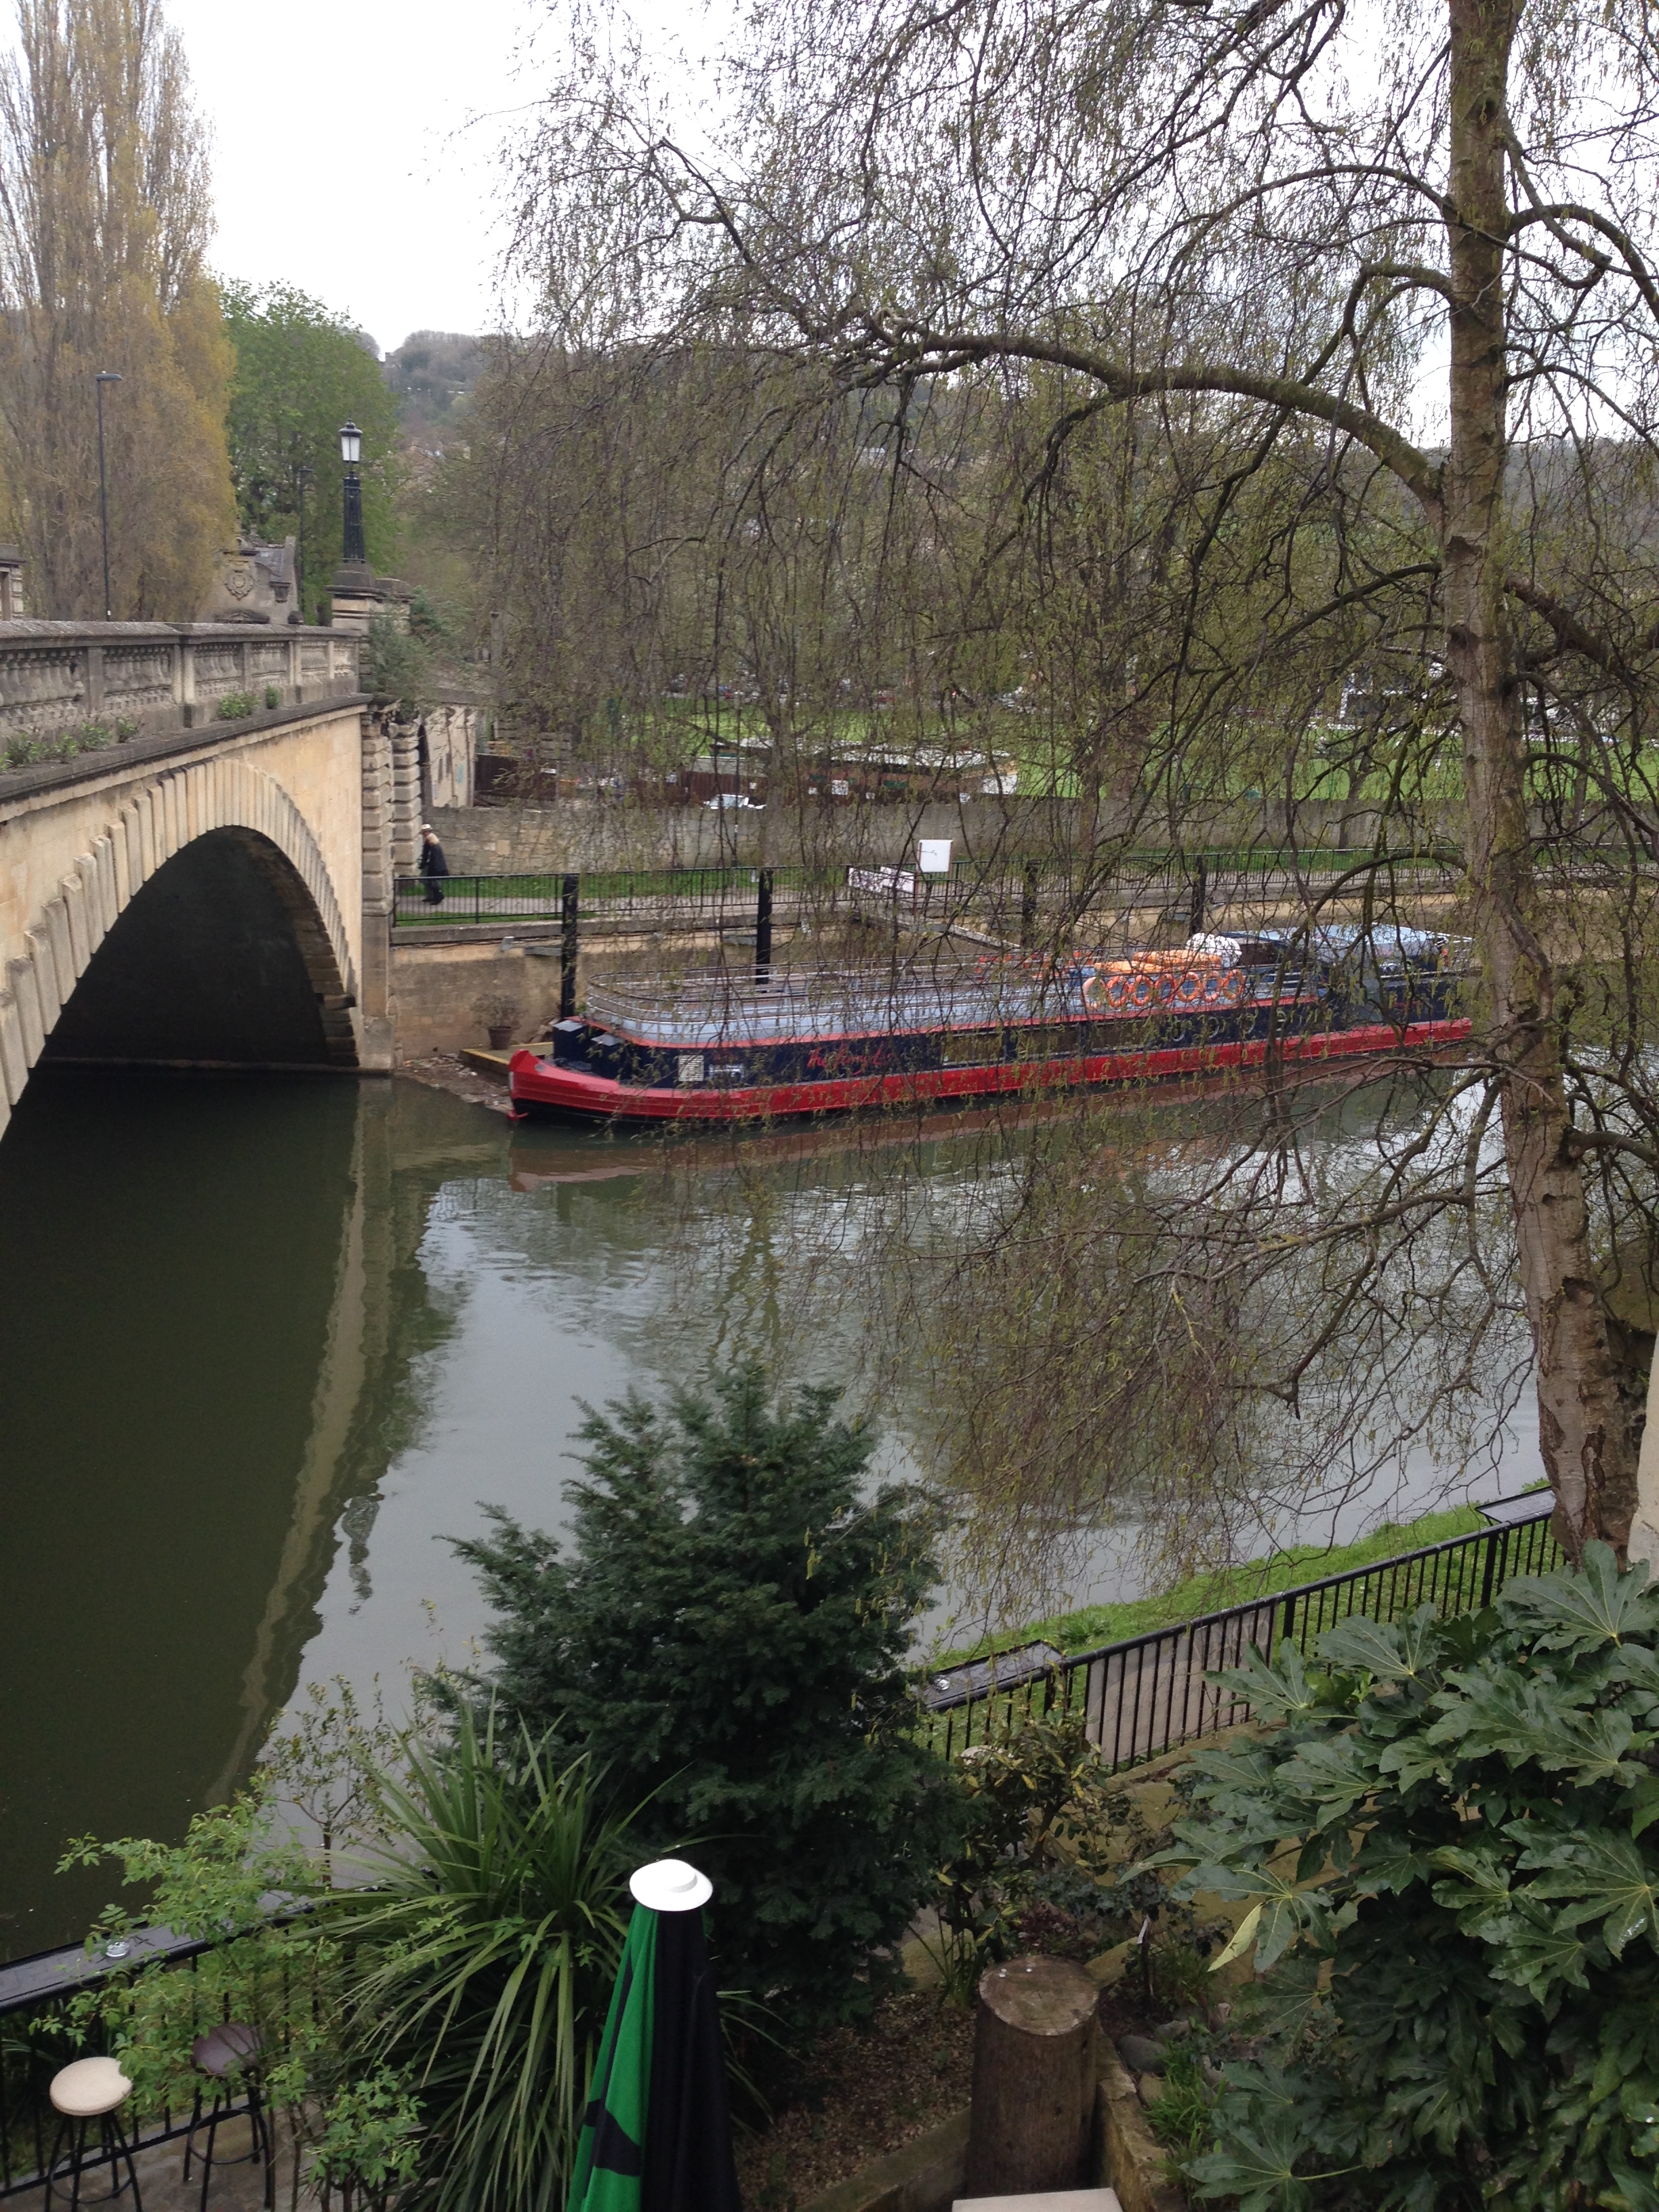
{"x": 500, "y": 1036}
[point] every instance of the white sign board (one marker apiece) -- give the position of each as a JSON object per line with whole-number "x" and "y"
{"x": 899, "y": 881}
{"x": 933, "y": 854}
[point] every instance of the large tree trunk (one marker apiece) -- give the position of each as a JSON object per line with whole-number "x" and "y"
{"x": 1581, "y": 1427}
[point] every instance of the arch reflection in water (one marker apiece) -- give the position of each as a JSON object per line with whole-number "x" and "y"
{"x": 210, "y": 1307}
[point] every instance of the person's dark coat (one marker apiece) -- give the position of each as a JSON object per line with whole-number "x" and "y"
{"x": 432, "y": 866}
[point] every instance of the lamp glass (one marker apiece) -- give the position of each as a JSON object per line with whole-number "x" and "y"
{"x": 351, "y": 444}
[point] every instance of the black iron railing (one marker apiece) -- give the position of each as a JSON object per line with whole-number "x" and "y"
{"x": 1011, "y": 896}
{"x": 1151, "y": 1694}
{"x": 40, "y": 2032}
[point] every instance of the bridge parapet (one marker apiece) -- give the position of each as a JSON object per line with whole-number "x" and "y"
{"x": 57, "y": 677}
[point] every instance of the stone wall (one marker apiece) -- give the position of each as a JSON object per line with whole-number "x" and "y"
{"x": 437, "y": 990}
{"x": 448, "y": 730}
{"x": 583, "y": 834}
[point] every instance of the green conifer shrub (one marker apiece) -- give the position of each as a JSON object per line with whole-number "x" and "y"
{"x": 730, "y": 1632}
{"x": 1446, "y": 1850}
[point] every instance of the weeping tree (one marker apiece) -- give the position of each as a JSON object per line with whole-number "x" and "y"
{"x": 678, "y": 536}
{"x": 1376, "y": 289}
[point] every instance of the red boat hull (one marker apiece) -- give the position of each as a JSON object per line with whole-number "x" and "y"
{"x": 543, "y": 1086}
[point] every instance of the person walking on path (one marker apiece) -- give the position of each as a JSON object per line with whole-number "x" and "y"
{"x": 434, "y": 866}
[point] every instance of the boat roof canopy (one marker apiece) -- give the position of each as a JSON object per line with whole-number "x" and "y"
{"x": 727, "y": 1009}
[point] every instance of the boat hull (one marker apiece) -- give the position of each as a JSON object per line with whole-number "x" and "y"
{"x": 573, "y": 1093}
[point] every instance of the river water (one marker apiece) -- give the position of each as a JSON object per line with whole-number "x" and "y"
{"x": 265, "y": 1344}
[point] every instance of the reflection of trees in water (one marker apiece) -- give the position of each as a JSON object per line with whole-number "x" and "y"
{"x": 1199, "y": 1320}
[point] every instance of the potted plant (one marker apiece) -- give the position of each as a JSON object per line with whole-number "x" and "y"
{"x": 499, "y": 1015}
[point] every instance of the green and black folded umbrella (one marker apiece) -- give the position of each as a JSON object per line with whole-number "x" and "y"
{"x": 657, "y": 2134}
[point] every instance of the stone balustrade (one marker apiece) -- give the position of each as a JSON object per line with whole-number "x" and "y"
{"x": 56, "y": 676}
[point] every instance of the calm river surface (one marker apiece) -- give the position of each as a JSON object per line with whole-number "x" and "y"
{"x": 265, "y": 1344}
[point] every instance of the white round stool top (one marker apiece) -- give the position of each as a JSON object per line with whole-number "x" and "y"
{"x": 88, "y": 2088}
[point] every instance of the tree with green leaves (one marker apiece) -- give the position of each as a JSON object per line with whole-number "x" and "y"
{"x": 435, "y": 2024}
{"x": 729, "y": 1634}
{"x": 302, "y": 371}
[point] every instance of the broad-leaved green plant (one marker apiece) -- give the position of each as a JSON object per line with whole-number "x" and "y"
{"x": 1444, "y": 1841}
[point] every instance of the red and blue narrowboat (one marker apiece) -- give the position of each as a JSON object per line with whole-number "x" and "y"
{"x": 718, "y": 1049}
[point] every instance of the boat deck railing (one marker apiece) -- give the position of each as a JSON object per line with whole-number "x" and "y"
{"x": 738, "y": 1007}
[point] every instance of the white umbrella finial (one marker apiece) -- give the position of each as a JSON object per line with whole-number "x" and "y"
{"x": 670, "y": 1886}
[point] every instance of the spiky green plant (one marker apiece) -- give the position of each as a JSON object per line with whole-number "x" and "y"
{"x": 485, "y": 1955}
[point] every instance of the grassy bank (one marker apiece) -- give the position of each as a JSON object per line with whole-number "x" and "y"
{"x": 1236, "y": 1585}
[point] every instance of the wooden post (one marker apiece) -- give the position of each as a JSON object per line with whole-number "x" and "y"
{"x": 1034, "y": 2078}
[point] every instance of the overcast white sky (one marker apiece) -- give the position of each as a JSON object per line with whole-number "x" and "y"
{"x": 354, "y": 148}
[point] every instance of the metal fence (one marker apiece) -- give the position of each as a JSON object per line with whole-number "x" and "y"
{"x": 1010, "y": 896}
{"x": 37, "y": 2035}
{"x": 1151, "y": 1694}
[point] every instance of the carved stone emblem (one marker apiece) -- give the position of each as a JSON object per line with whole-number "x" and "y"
{"x": 239, "y": 578}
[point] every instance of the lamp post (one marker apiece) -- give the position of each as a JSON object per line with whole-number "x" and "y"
{"x": 302, "y": 477}
{"x": 104, "y": 376}
{"x": 351, "y": 452}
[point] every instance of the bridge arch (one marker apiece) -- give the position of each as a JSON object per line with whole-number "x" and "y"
{"x": 215, "y": 848}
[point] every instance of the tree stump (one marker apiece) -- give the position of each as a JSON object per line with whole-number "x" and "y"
{"x": 1034, "y": 2078}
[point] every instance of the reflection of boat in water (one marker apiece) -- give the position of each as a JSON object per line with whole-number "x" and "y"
{"x": 813, "y": 1044}
{"x": 550, "y": 1151}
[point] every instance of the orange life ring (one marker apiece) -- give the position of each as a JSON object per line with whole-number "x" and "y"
{"x": 1191, "y": 988}
{"x": 1117, "y": 991}
{"x": 1142, "y": 990}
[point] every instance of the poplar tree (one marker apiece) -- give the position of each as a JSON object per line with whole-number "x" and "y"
{"x": 104, "y": 220}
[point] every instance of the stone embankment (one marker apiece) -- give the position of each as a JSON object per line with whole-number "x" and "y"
{"x": 584, "y": 834}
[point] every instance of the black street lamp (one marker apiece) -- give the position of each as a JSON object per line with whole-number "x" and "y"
{"x": 104, "y": 376}
{"x": 351, "y": 452}
{"x": 302, "y": 477}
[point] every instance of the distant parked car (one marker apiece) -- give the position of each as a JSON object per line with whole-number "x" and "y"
{"x": 725, "y": 799}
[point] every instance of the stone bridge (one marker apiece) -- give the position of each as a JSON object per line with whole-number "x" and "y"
{"x": 198, "y": 890}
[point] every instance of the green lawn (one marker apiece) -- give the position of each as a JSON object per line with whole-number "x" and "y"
{"x": 1227, "y": 1586}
